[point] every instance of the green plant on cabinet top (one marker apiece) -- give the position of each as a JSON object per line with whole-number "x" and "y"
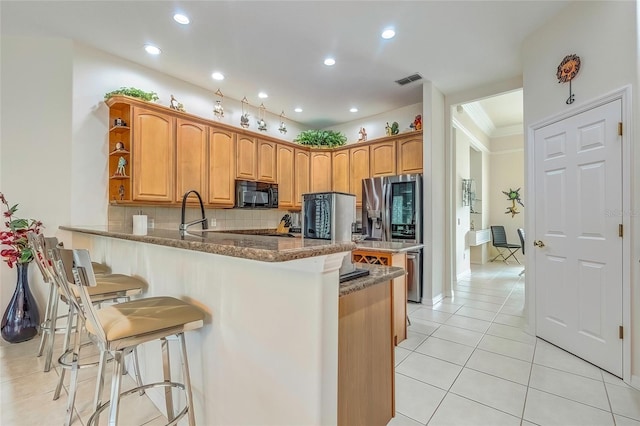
{"x": 134, "y": 93}
{"x": 321, "y": 138}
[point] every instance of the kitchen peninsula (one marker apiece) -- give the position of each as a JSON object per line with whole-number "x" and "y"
{"x": 283, "y": 341}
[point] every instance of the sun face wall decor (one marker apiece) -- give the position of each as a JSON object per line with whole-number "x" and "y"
{"x": 567, "y": 71}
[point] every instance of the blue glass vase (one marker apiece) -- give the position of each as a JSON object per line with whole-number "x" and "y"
{"x": 21, "y": 319}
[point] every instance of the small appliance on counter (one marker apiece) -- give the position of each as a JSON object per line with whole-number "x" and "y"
{"x": 330, "y": 216}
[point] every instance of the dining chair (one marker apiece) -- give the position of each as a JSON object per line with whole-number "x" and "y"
{"x": 499, "y": 238}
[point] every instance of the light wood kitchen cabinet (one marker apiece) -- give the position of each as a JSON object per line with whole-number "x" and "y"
{"x": 399, "y": 287}
{"x": 383, "y": 159}
{"x": 302, "y": 174}
{"x": 246, "y": 158}
{"x": 366, "y": 385}
{"x": 340, "y": 171}
{"x": 152, "y": 156}
{"x": 320, "y": 171}
{"x": 410, "y": 154}
{"x": 358, "y": 170}
{"x": 221, "y": 172}
{"x": 285, "y": 175}
{"x": 119, "y": 152}
{"x": 191, "y": 156}
{"x": 267, "y": 161}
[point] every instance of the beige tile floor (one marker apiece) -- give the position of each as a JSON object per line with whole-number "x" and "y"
{"x": 467, "y": 361}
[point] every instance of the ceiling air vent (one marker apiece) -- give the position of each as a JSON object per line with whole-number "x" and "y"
{"x": 409, "y": 79}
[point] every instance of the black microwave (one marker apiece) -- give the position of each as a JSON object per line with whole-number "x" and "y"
{"x": 256, "y": 195}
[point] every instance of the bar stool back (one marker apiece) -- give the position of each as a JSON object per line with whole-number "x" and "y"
{"x": 118, "y": 329}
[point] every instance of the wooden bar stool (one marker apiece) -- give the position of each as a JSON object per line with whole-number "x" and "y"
{"x": 118, "y": 329}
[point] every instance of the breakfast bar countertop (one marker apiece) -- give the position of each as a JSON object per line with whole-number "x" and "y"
{"x": 387, "y": 246}
{"x": 254, "y": 247}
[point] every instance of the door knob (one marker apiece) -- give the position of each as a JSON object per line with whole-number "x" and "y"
{"x": 538, "y": 243}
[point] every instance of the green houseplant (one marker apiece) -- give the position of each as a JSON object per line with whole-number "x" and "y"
{"x": 133, "y": 92}
{"x": 321, "y": 138}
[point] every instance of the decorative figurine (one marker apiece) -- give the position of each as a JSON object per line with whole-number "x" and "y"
{"x": 513, "y": 196}
{"x": 119, "y": 146}
{"x": 387, "y": 129}
{"x": 283, "y": 127}
{"x": 262, "y": 125}
{"x": 119, "y": 122}
{"x": 121, "y": 163}
{"x": 121, "y": 192}
{"x": 362, "y": 134}
{"x": 176, "y": 105}
{"x": 244, "y": 120}
{"x": 417, "y": 123}
{"x": 395, "y": 128}
{"x": 218, "y": 110}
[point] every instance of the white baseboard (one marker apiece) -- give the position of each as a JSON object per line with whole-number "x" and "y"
{"x": 433, "y": 300}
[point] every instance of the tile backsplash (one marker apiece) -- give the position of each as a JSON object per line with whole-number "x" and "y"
{"x": 169, "y": 217}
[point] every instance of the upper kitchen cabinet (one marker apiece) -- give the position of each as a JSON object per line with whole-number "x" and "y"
{"x": 221, "y": 173}
{"x": 340, "y": 171}
{"x": 320, "y": 171}
{"x": 410, "y": 154}
{"x": 358, "y": 170}
{"x": 152, "y": 155}
{"x": 246, "y": 158}
{"x": 119, "y": 152}
{"x": 285, "y": 175}
{"x": 383, "y": 159}
{"x": 191, "y": 156}
{"x": 267, "y": 161}
{"x": 301, "y": 176}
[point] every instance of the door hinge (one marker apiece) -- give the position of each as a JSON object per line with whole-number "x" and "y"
{"x": 621, "y": 332}
{"x": 620, "y": 128}
{"x": 620, "y": 230}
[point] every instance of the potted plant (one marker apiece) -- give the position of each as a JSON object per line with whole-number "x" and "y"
{"x": 134, "y": 93}
{"x": 321, "y": 138}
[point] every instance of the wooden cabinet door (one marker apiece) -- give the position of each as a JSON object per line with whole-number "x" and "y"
{"x": 153, "y": 156}
{"x": 358, "y": 170}
{"x": 301, "y": 176}
{"x": 285, "y": 175}
{"x": 410, "y": 155}
{"x": 340, "y": 171}
{"x": 246, "y": 161}
{"x": 267, "y": 161}
{"x": 320, "y": 171}
{"x": 191, "y": 154}
{"x": 383, "y": 159}
{"x": 221, "y": 176}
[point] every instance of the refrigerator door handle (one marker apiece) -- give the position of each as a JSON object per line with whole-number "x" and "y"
{"x": 386, "y": 209}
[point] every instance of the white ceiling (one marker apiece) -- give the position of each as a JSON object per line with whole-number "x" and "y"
{"x": 279, "y": 46}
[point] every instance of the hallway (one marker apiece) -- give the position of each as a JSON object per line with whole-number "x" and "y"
{"x": 468, "y": 361}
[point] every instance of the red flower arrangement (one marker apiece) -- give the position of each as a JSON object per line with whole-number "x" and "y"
{"x": 16, "y": 237}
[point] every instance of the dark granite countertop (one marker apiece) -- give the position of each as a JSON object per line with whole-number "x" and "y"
{"x": 377, "y": 274}
{"x": 246, "y": 246}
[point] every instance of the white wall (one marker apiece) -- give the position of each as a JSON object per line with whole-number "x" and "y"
{"x": 605, "y": 36}
{"x": 463, "y": 217}
{"x": 375, "y": 124}
{"x": 507, "y": 172}
{"x": 35, "y": 139}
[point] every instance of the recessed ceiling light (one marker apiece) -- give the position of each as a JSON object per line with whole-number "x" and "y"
{"x": 217, "y": 76}
{"x": 298, "y": 109}
{"x": 181, "y": 19}
{"x": 388, "y": 33}
{"x": 354, "y": 109}
{"x": 152, "y": 50}
{"x": 263, "y": 95}
{"x": 329, "y": 62}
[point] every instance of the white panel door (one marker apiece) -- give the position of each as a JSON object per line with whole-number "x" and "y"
{"x": 578, "y": 271}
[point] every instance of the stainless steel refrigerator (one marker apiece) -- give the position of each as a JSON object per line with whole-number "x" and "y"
{"x": 392, "y": 211}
